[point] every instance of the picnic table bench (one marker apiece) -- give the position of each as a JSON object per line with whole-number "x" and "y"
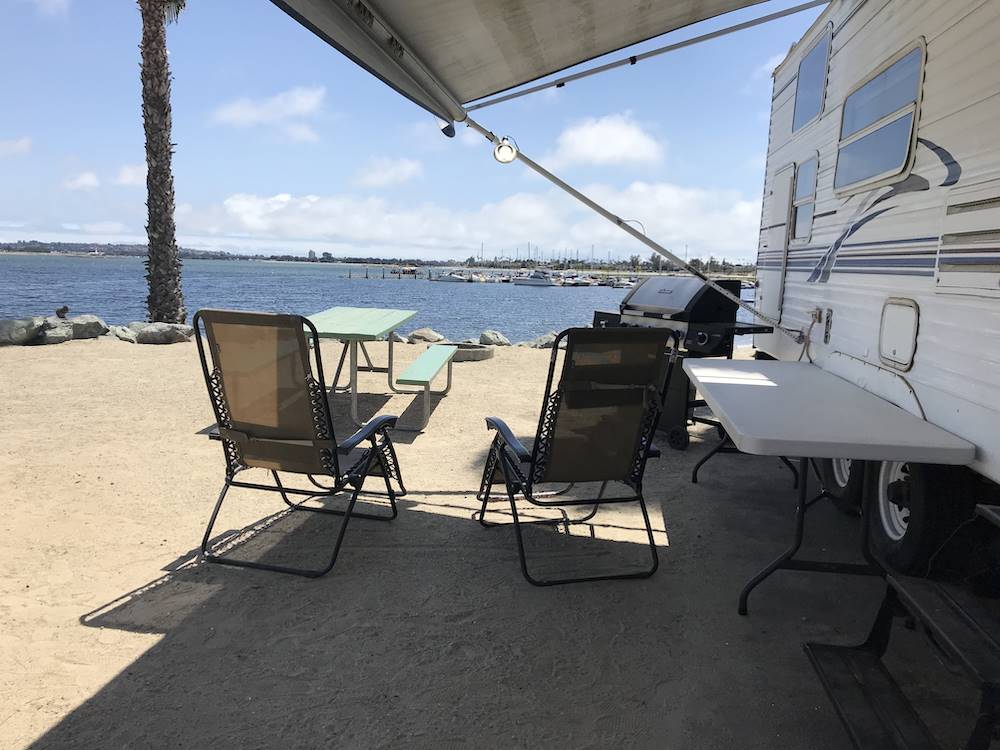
{"x": 422, "y": 372}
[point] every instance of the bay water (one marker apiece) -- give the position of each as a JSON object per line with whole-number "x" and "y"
{"x": 114, "y": 288}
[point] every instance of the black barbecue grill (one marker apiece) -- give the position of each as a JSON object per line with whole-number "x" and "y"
{"x": 703, "y": 317}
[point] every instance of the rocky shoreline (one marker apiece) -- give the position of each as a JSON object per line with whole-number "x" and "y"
{"x": 54, "y": 329}
{"x": 38, "y": 330}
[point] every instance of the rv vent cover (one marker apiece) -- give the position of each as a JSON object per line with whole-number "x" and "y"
{"x": 968, "y": 259}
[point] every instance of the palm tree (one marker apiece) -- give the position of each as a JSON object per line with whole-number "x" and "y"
{"x": 163, "y": 265}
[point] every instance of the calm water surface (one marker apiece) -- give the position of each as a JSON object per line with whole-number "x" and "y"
{"x": 115, "y": 289}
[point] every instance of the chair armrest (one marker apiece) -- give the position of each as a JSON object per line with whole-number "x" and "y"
{"x": 495, "y": 423}
{"x": 367, "y": 432}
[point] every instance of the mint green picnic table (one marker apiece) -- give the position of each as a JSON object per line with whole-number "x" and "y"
{"x": 353, "y": 326}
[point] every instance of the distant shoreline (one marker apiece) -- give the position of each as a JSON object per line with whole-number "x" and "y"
{"x": 421, "y": 269}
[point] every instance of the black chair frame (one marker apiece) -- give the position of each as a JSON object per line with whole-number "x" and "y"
{"x": 379, "y": 451}
{"x": 507, "y": 455}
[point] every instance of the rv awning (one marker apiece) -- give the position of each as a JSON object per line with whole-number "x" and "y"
{"x": 442, "y": 54}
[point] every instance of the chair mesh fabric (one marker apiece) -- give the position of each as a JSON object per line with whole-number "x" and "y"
{"x": 277, "y": 411}
{"x": 598, "y": 422}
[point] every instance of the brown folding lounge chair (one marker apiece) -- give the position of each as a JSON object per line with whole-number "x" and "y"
{"x": 597, "y": 425}
{"x": 272, "y": 413}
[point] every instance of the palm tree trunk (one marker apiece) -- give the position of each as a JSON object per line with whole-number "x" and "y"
{"x": 163, "y": 265}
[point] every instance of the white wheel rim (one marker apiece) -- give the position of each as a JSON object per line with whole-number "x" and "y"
{"x": 894, "y": 519}
{"x": 841, "y": 471}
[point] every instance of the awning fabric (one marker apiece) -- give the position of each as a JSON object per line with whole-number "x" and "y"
{"x": 444, "y": 53}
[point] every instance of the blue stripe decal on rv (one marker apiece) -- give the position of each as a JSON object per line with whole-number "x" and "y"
{"x": 970, "y": 261}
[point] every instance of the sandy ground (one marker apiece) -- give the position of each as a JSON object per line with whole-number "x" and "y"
{"x": 425, "y": 635}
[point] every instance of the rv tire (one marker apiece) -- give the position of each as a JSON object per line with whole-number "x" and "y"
{"x": 914, "y": 509}
{"x": 844, "y": 481}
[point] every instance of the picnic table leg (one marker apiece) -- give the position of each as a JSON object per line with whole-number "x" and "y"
{"x": 340, "y": 367}
{"x": 800, "y": 520}
{"x": 392, "y": 385}
{"x": 354, "y": 382}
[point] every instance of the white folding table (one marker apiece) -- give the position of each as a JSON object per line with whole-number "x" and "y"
{"x": 771, "y": 408}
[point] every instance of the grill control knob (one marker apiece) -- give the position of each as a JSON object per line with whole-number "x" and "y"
{"x": 701, "y": 338}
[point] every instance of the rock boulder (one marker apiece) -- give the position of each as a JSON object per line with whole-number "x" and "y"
{"x": 493, "y": 338}
{"x": 57, "y": 334}
{"x": 398, "y": 338}
{"x": 545, "y": 341}
{"x": 20, "y": 331}
{"x": 162, "y": 333}
{"x": 426, "y": 335}
{"x": 124, "y": 333}
{"x": 87, "y": 326}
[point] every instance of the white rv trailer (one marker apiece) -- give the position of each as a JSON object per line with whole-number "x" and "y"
{"x": 880, "y": 231}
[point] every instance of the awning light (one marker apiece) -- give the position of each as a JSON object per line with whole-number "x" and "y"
{"x": 505, "y": 152}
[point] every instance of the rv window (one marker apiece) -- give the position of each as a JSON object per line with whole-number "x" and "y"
{"x": 892, "y": 89}
{"x": 882, "y": 152}
{"x": 811, "y": 85}
{"x": 876, "y": 132}
{"x": 804, "y": 199}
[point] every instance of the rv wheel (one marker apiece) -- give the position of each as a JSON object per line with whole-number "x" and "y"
{"x": 908, "y": 515}
{"x": 844, "y": 480}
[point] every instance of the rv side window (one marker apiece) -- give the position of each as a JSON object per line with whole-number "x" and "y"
{"x": 876, "y": 133}
{"x": 810, "y": 87}
{"x": 804, "y": 199}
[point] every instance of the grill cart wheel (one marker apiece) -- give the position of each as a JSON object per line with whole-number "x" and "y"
{"x": 844, "y": 480}
{"x": 678, "y": 438}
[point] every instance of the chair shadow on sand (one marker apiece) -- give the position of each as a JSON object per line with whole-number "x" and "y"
{"x": 421, "y": 630}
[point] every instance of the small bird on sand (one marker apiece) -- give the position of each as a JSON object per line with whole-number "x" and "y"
{"x": 61, "y": 312}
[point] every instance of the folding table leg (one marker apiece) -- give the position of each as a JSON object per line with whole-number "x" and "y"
{"x": 725, "y": 445}
{"x": 787, "y": 561}
{"x": 800, "y": 521}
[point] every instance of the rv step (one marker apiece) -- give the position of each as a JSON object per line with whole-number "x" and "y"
{"x": 874, "y": 711}
{"x": 966, "y": 627}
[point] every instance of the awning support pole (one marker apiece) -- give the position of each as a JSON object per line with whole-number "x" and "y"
{"x": 627, "y": 228}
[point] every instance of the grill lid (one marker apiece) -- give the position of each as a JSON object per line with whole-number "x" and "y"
{"x": 683, "y": 298}
{"x": 668, "y": 296}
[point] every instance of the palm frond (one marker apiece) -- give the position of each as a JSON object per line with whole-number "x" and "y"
{"x": 172, "y": 9}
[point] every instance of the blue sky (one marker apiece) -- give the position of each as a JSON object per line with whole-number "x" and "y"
{"x": 284, "y": 145}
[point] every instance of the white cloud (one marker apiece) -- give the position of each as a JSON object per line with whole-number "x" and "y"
{"x": 766, "y": 68}
{"x": 719, "y": 222}
{"x": 96, "y": 227}
{"x": 82, "y": 181}
{"x": 105, "y": 227}
{"x": 15, "y": 146}
{"x": 604, "y": 141}
{"x": 382, "y": 172}
{"x": 131, "y": 174}
{"x": 299, "y": 131}
{"x": 469, "y": 137}
{"x": 51, "y": 7}
{"x": 286, "y": 111}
